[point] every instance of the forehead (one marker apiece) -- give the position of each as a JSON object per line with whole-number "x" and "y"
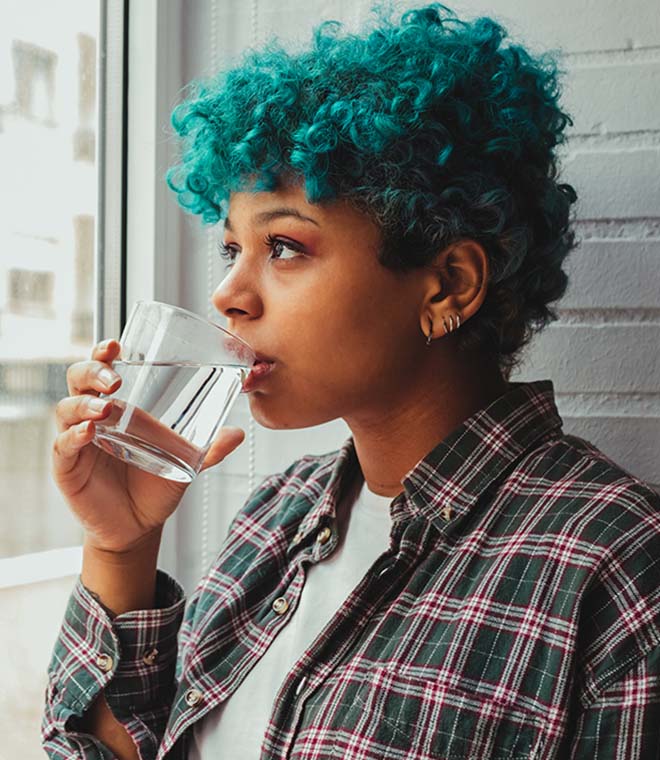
{"x": 289, "y": 194}
{"x": 260, "y": 208}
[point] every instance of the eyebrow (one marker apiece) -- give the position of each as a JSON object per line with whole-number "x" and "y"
{"x": 266, "y": 216}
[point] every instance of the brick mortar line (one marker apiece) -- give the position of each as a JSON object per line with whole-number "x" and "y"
{"x": 590, "y": 59}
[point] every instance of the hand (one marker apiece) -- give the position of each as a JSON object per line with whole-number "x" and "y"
{"x": 118, "y": 504}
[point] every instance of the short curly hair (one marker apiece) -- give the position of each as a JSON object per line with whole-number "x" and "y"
{"x": 429, "y": 125}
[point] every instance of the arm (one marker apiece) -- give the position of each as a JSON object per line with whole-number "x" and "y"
{"x": 623, "y": 723}
{"x": 110, "y": 579}
{"x": 108, "y": 693}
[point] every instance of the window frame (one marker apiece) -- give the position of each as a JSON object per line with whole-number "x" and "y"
{"x": 153, "y": 247}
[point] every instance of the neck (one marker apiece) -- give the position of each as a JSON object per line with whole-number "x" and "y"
{"x": 391, "y": 438}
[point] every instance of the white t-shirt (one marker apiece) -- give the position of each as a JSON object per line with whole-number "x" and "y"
{"x": 236, "y": 728}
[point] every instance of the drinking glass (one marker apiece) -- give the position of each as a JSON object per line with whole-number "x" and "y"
{"x": 180, "y": 377}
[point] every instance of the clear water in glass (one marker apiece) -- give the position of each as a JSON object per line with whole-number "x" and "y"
{"x": 182, "y": 407}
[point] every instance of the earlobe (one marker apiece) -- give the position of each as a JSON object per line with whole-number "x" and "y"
{"x": 450, "y": 323}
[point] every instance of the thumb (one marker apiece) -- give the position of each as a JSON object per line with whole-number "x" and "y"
{"x": 227, "y": 440}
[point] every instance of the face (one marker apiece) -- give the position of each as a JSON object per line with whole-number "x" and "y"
{"x": 344, "y": 331}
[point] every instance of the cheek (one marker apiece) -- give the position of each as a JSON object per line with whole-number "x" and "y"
{"x": 346, "y": 332}
{"x": 326, "y": 315}
{"x": 348, "y": 351}
{"x": 334, "y": 366}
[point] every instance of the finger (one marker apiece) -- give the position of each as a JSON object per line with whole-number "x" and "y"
{"x": 73, "y": 410}
{"x": 67, "y": 446}
{"x": 106, "y": 350}
{"x": 227, "y": 440}
{"x": 90, "y": 377}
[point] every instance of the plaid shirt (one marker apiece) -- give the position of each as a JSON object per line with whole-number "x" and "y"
{"x": 516, "y": 613}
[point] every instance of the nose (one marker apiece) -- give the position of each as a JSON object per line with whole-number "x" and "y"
{"x": 235, "y": 297}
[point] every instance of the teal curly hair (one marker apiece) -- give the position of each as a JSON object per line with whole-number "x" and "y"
{"x": 430, "y": 125}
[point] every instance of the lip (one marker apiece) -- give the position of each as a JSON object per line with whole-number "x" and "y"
{"x": 241, "y": 349}
{"x": 259, "y": 371}
{"x": 262, "y": 358}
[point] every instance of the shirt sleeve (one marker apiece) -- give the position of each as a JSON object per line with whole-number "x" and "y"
{"x": 132, "y": 657}
{"x": 623, "y": 723}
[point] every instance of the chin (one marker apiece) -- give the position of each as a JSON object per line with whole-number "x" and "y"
{"x": 267, "y": 412}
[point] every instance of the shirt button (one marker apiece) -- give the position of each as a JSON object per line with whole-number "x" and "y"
{"x": 383, "y": 570}
{"x": 324, "y": 535}
{"x": 150, "y": 657}
{"x": 104, "y": 662}
{"x": 193, "y": 697}
{"x": 447, "y": 513}
{"x": 298, "y": 537}
{"x": 280, "y": 605}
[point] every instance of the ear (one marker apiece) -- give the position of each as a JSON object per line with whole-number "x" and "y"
{"x": 457, "y": 283}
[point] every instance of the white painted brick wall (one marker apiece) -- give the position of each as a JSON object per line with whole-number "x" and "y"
{"x": 603, "y": 352}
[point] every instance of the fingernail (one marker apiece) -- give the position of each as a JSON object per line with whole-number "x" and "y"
{"x": 97, "y": 404}
{"x": 105, "y": 344}
{"x": 107, "y": 377}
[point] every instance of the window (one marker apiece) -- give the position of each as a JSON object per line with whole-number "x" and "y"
{"x": 50, "y": 303}
{"x": 83, "y": 139}
{"x": 34, "y": 73}
{"x": 82, "y": 318}
{"x": 31, "y": 293}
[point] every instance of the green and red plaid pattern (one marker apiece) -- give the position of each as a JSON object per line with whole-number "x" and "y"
{"x": 515, "y": 614}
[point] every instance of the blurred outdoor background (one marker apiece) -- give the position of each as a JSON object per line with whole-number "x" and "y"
{"x": 48, "y": 136}
{"x": 47, "y": 153}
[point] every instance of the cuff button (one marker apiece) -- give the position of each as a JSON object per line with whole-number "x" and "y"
{"x": 150, "y": 657}
{"x": 104, "y": 662}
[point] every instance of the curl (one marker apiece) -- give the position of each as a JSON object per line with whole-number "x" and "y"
{"x": 436, "y": 127}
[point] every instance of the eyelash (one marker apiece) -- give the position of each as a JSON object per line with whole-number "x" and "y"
{"x": 228, "y": 253}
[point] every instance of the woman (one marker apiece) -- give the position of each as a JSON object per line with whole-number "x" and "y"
{"x": 461, "y": 579}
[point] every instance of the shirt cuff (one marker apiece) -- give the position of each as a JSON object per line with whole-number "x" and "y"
{"x": 132, "y": 656}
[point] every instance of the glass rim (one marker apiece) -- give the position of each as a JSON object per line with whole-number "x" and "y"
{"x": 199, "y": 318}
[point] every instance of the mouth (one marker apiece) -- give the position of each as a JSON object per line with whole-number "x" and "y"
{"x": 261, "y": 358}
{"x": 260, "y": 369}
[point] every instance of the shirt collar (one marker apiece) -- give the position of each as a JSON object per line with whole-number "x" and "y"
{"x": 457, "y": 471}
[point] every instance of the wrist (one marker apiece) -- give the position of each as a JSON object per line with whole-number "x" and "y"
{"x": 122, "y": 581}
{"x": 124, "y": 554}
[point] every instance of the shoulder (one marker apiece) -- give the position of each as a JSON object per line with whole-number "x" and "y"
{"x": 577, "y": 476}
{"x": 604, "y": 525}
{"x": 603, "y": 517}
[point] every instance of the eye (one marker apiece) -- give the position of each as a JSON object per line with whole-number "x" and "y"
{"x": 277, "y": 245}
{"x": 227, "y": 253}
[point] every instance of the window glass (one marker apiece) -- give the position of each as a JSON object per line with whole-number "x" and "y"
{"x": 48, "y": 92}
